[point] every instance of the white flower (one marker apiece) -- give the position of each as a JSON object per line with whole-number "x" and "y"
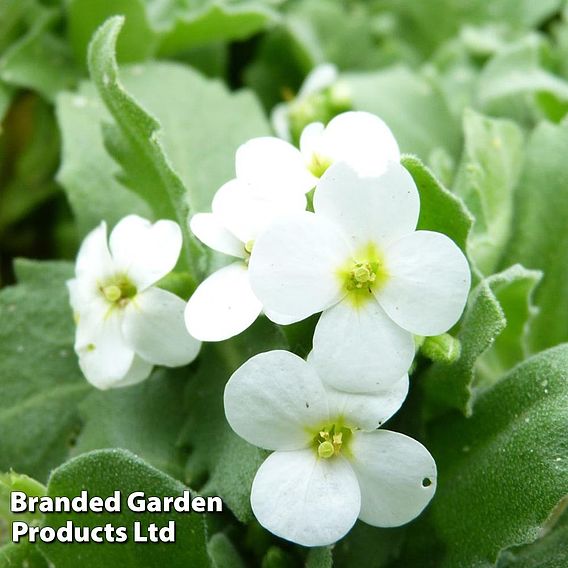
{"x": 317, "y": 80}
{"x": 359, "y": 260}
{"x": 224, "y": 304}
{"x": 330, "y": 465}
{"x": 125, "y": 325}
{"x": 359, "y": 139}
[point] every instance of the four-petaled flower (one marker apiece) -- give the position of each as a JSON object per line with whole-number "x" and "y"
{"x": 330, "y": 465}
{"x": 360, "y": 261}
{"x": 224, "y": 304}
{"x": 125, "y": 325}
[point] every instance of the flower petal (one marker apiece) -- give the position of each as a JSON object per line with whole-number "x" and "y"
{"x": 311, "y": 140}
{"x": 138, "y": 372}
{"x": 209, "y": 230}
{"x": 94, "y": 257}
{"x": 276, "y": 401}
{"x": 104, "y": 356}
{"x": 310, "y": 501}
{"x": 145, "y": 251}
{"x": 246, "y": 214}
{"x": 278, "y": 318}
{"x": 318, "y": 79}
{"x": 223, "y": 305}
{"x": 428, "y": 283}
{"x": 362, "y": 140}
{"x": 397, "y": 476}
{"x": 294, "y": 263}
{"x": 367, "y": 411}
{"x": 272, "y": 166}
{"x": 378, "y": 209}
{"x": 360, "y": 349}
{"x": 154, "y": 327}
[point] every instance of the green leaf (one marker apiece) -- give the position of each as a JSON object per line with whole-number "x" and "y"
{"x": 101, "y": 473}
{"x": 440, "y": 210}
{"x": 211, "y": 22}
{"x": 515, "y": 72}
{"x": 40, "y": 380}
{"x": 549, "y": 551}
{"x": 420, "y": 120}
{"x": 88, "y": 173}
{"x": 138, "y": 135}
{"x": 21, "y": 555}
{"x": 514, "y": 289}
{"x": 539, "y": 238}
{"x": 39, "y": 60}
{"x": 178, "y": 148}
{"x": 144, "y": 419}
{"x": 222, "y": 552}
{"x": 500, "y": 472}
{"x": 228, "y": 462}
{"x": 489, "y": 172}
{"x": 424, "y": 26}
{"x": 137, "y": 41}
{"x": 492, "y": 336}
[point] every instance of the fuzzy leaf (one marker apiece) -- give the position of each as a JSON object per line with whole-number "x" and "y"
{"x": 489, "y": 171}
{"x": 101, "y": 473}
{"x": 500, "y": 472}
{"x": 539, "y": 238}
{"x": 40, "y": 380}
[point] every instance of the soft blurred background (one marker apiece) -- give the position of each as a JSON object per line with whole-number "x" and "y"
{"x": 417, "y": 64}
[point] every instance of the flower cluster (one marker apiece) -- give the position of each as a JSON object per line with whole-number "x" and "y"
{"x": 328, "y": 228}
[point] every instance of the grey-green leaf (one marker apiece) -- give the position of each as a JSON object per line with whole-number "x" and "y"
{"x": 101, "y": 473}
{"x": 489, "y": 171}
{"x": 40, "y": 380}
{"x": 500, "y": 472}
{"x": 539, "y": 238}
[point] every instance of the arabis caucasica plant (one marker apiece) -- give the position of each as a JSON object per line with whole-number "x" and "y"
{"x": 125, "y": 325}
{"x": 330, "y": 465}
{"x": 272, "y": 178}
{"x": 360, "y": 260}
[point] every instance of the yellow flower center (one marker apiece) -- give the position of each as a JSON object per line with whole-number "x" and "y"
{"x": 363, "y": 274}
{"x": 319, "y": 164}
{"x": 331, "y": 440}
{"x": 118, "y": 290}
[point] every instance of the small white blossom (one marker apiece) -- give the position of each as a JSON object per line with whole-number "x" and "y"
{"x": 360, "y": 139}
{"x": 330, "y": 465}
{"x": 224, "y": 304}
{"x": 125, "y": 325}
{"x": 360, "y": 261}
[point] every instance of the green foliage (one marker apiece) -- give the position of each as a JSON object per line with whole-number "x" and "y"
{"x": 488, "y": 174}
{"x": 217, "y": 453}
{"x": 426, "y": 123}
{"x": 144, "y": 419}
{"x": 539, "y": 237}
{"x": 500, "y": 472}
{"x": 492, "y": 337}
{"x": 165, "y": 28}
{"x": 40, "y": 380}
{"x": 39, "y": 60}
{"x": 475, "y": 92}
{"x": 88, "y": 173}
{"x": 440, "y": 210}
{"x": 101, "y": 473}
